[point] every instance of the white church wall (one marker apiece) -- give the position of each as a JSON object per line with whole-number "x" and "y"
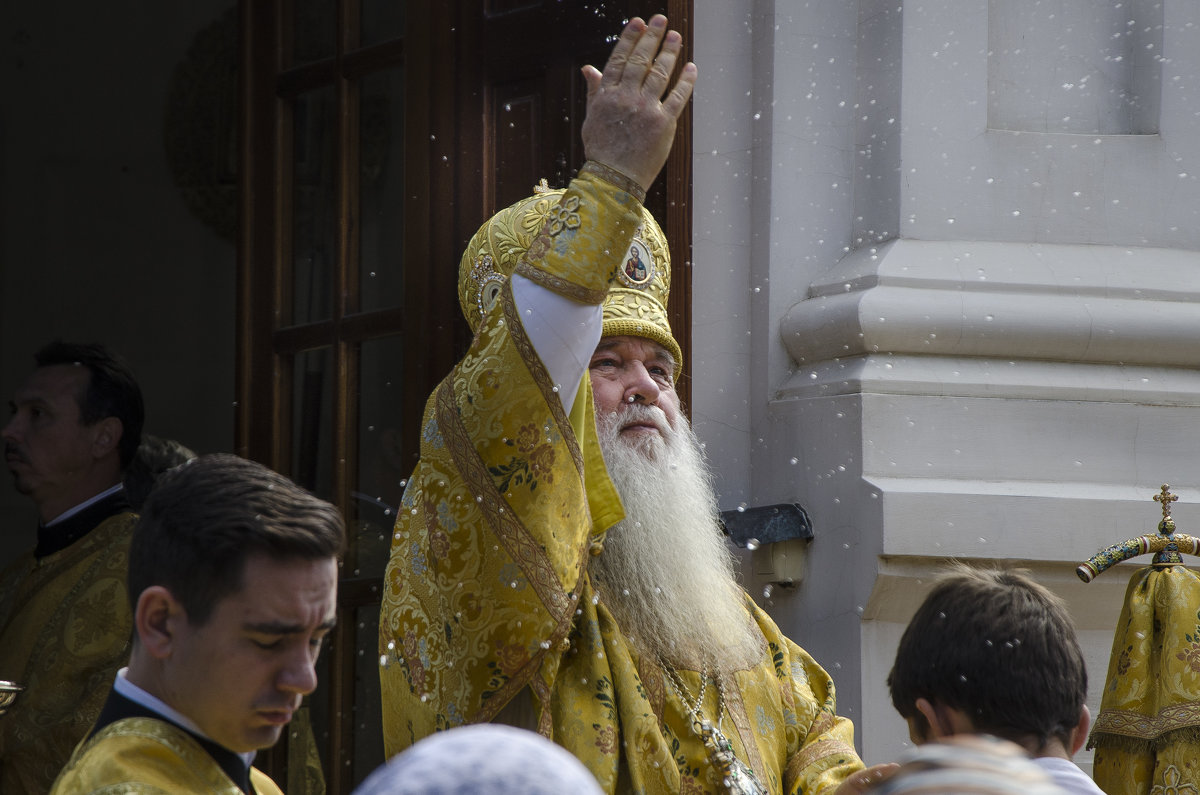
{"x": 987, "y": 339}
{"x": 722, "y": 143}
{"x": 967, "y": 180}
{"x": 791, "y": 81}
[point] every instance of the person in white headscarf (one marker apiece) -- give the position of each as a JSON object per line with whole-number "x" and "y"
{"x": 482, "y": 759}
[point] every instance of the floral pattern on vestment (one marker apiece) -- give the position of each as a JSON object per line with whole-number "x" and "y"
{"x": 65, "y": 625}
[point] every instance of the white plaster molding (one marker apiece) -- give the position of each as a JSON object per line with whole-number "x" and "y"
{"x": 1005, "y": 520}
{"x": 978, "y": 377}
{"x": 994, "y": 319}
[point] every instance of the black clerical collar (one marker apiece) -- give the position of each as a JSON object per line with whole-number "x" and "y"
{"x": 118, "y": 707}
{"x": 61, "y": 535}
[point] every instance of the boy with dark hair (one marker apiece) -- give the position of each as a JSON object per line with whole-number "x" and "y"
{"x": 993, "y": 652}
{"x": 233, "y": 584}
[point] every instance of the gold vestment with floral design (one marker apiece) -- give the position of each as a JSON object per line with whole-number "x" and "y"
{"x": 149, "y": 756}
{"x": 66, "y": 628}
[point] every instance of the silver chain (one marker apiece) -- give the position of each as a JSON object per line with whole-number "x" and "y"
{"x": 694, "y": 707}
{"x": 737, "y": 776}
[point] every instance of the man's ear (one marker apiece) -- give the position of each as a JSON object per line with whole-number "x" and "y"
{"x": 106, "y": 436}
{"x": 1079, "y": 734}
{"x": 157, "y": 620}
{"x": 935, "y": 728}
{"x": 944, "y": 721}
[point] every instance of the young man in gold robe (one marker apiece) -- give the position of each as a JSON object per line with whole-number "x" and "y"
{"x": 233, "y": 583}
{"x": 558, "y": 562}
{"x": 64, "y": 619}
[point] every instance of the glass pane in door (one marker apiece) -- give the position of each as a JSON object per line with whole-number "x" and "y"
{"x": 368, "y": 708}
{"x": 314, "y": 208}
{"x": 382, "y": 466}
{"x": 312, "y": 421}
{"x": 381, "y": 189}
{"x": 314, "y": 30}
{"x": 382, "y": 20}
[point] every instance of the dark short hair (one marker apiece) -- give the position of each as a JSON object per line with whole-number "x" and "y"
{"x": 204, "y": 518}
{"x": 112, "y": 390}
{"x": 997, "y": 646}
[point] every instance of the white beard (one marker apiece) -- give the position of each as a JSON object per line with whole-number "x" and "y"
{"x": 665, "y": 571}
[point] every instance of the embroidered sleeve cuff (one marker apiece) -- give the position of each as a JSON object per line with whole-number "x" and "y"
{"x": 610, "y": 174}
{"x": 585, "y": 238}
{"x": 825, "y": 759}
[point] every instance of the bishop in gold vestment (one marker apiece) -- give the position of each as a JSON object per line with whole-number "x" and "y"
{"x": 541, "y": 570}
{"x": 488, "y": 595}
{"x": 488, "y": 590}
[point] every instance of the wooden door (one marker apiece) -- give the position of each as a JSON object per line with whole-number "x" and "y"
{"x": 376, "y": 137}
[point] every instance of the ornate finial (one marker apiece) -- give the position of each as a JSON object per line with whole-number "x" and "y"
{"x": 1167, "y": 546}
{"x": 1166, "y": 498}
{"x": 542, "y": 187}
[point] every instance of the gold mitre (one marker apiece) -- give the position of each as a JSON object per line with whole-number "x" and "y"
{"x": 635, "y": 307}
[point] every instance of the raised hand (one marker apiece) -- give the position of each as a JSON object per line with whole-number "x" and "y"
{"x": 630, "y": 124}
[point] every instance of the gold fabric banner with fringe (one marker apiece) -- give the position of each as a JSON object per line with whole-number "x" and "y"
{"x": 1147, "y": 735}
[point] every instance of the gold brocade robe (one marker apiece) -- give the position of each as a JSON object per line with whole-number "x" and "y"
{"x": 66, "y": 631}
{"x": 487, "y": 591}
{"x": 1147, "y": 735}
{"x": 145, "y": 755}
